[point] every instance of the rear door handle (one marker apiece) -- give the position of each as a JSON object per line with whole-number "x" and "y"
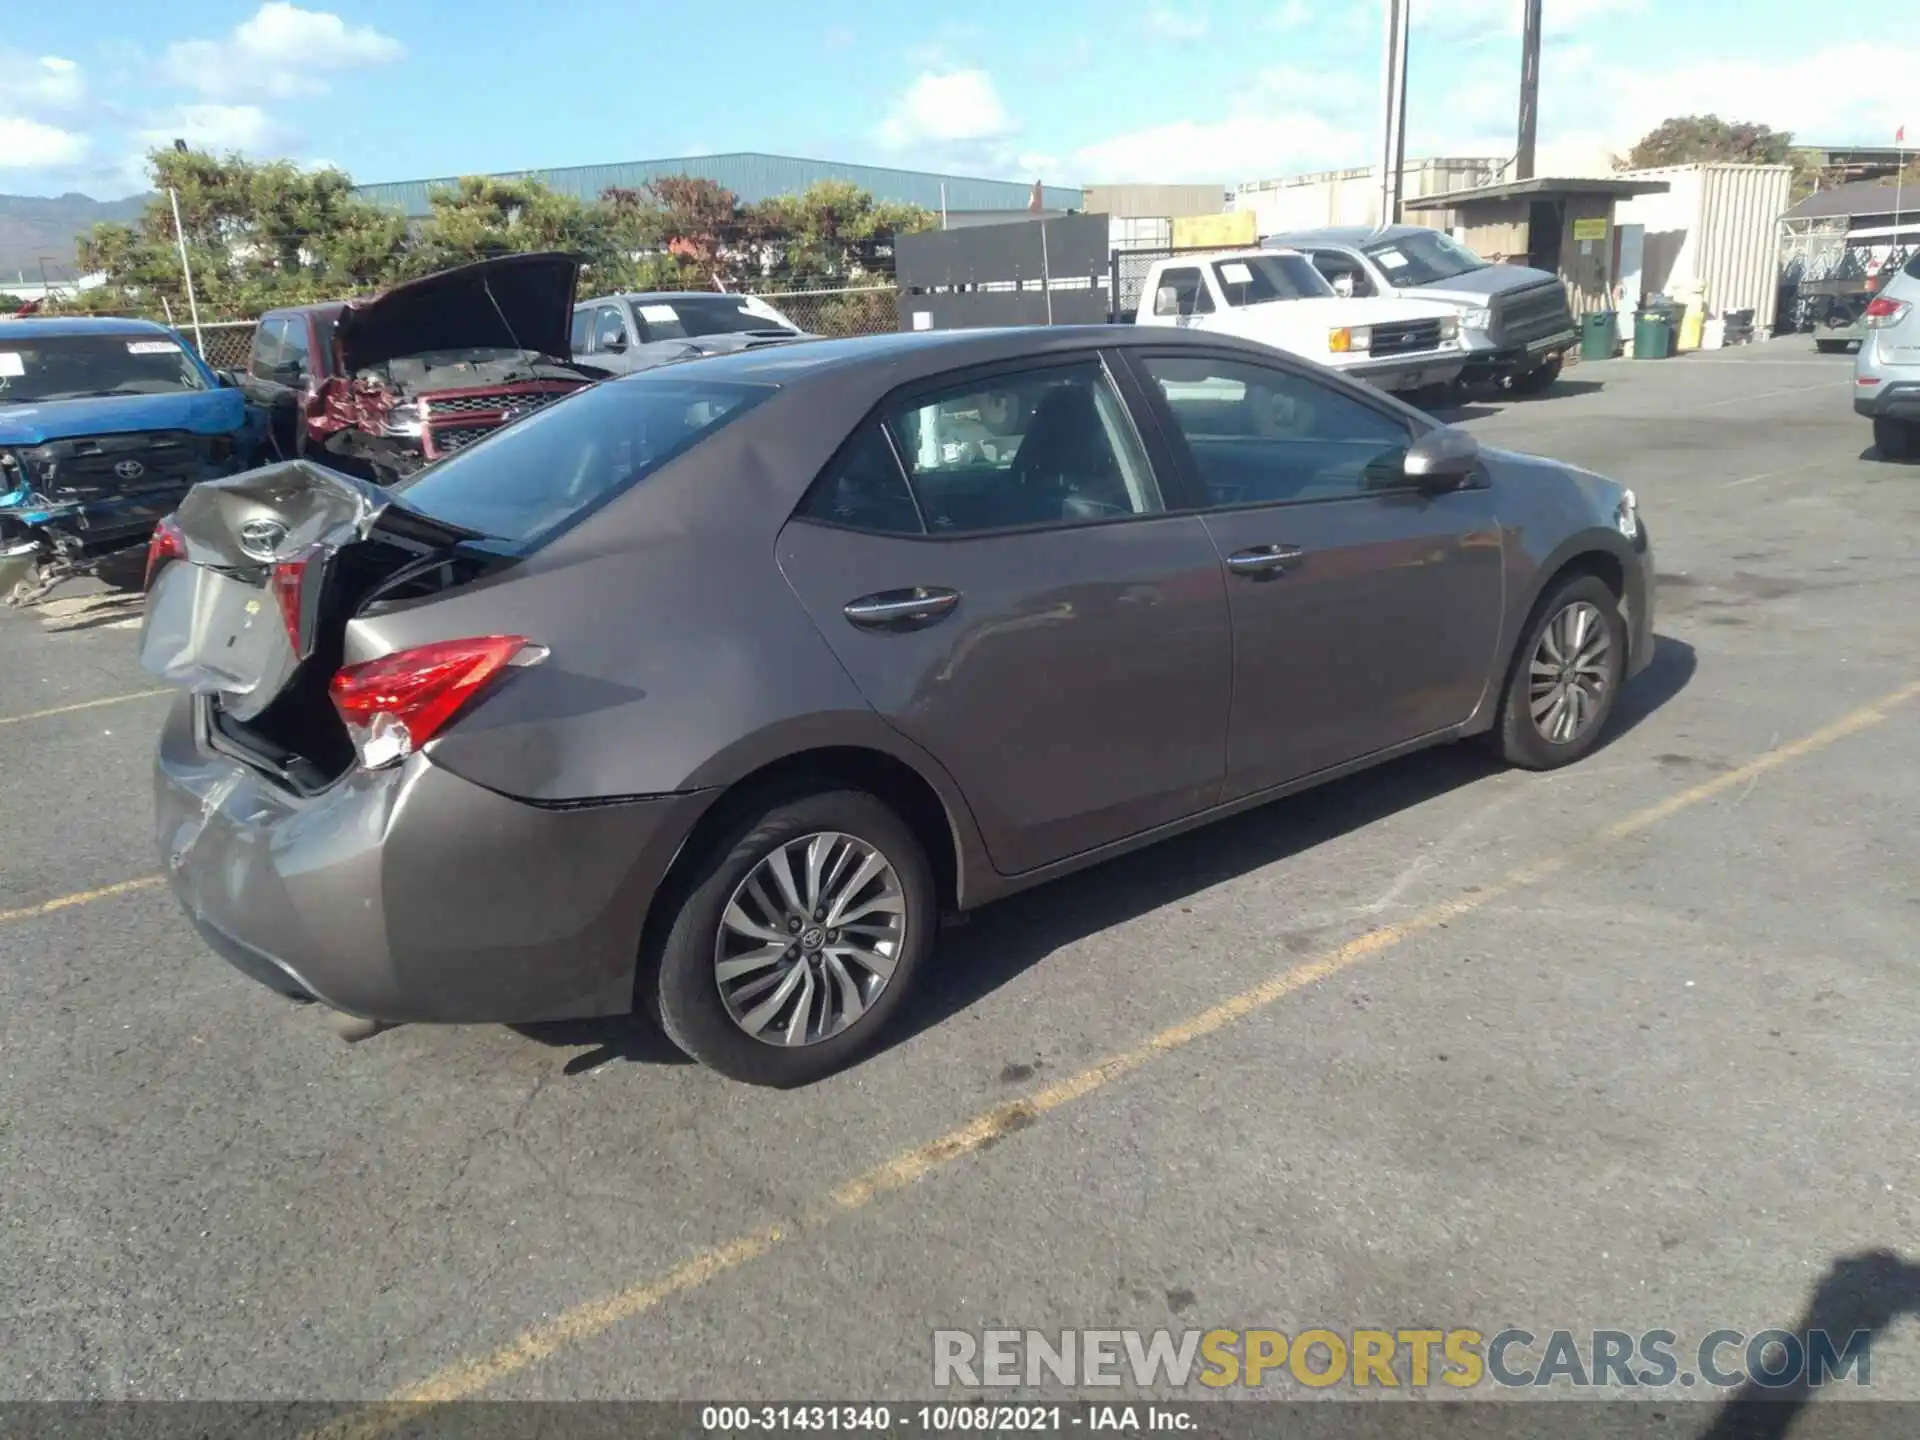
{"x": 1263, "y": 560}
{"x": 901, "y": 609}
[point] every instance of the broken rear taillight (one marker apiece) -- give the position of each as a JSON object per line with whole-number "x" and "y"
{"x": 167, "y": 543}
{"x": 394, "y": 705}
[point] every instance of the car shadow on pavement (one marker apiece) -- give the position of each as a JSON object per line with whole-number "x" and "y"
{"x": 1001, "y": 941}
{"x": 1670, "y": 671}
{"x": 1859, "y": 1293}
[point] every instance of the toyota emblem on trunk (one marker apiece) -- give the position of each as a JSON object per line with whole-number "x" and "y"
{"x": 129, "y": 469}
{"x": 261, "y": 538}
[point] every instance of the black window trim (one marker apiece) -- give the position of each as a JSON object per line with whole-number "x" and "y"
{"x": 932, "y": 385}
{"x": 1182, "y": 455}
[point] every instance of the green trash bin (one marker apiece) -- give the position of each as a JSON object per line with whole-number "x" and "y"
{"x": 1597, "y": 338}
{"x": 1653, "y": 333}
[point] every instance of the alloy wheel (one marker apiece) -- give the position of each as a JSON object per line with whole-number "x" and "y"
{"x": 1569, "y": 673}
{"x": 810, "y": 938}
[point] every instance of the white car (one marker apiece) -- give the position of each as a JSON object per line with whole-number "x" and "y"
{"x": 1279, "y": 299}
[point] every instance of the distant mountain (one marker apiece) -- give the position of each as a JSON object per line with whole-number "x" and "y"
{"x": 36, "y": 226}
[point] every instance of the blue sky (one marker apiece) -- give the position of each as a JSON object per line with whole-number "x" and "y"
{"x": 1071, "y": 91}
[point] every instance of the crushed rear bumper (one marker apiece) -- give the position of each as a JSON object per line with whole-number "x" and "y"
{"x": 410, "y": 894}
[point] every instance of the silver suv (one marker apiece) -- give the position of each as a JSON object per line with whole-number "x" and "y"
{"x": 1886, "y": 371}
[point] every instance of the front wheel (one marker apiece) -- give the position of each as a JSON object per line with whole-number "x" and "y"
{"x": 1897, "y": 439}
{"x": 1565, "y": 677}
{"x": 799, "y": 941}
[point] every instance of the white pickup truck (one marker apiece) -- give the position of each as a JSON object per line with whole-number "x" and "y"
{"x": 1279, "y": 299}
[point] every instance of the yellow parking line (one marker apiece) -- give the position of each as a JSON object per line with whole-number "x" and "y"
{"x": 468, "y": 1378}
{"x": 82, "y": 705}
{"x": 85, "y": 897}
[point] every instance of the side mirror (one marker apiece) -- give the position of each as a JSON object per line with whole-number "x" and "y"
{"x": 1343, "y": 284}
{"x": 1443, "y": 459}
{"x": 1166, "y": 301}
{"x": 226, "y": 379}
{"x": 613, "y": 344}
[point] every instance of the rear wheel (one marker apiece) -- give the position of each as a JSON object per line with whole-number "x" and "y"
{"x": 1565, "y": 677}
{"x": 1897, "y": 439}
{"x": 799, "y": 941}
{"x": 1538, "y": 381}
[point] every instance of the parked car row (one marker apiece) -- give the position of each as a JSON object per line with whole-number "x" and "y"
{"x": 105, "y": 424}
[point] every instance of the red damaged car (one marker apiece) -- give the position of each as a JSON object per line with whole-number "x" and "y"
{"x": 385, "y": 385}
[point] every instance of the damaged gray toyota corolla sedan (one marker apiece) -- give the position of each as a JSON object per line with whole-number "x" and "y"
{"x": 710, "y": 690}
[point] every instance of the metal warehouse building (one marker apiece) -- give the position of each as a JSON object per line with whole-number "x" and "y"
{"x": 754, "y": 177}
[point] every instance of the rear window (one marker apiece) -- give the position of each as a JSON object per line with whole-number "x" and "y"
{"x": 529, "y": 480}
{"x": 685, "y": 316}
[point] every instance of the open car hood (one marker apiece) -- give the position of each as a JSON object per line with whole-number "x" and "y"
{"x": 515, "y": 302}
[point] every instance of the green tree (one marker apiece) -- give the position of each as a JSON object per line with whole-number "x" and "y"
{"x": 1695, "y": 139}
{"x": 480, "y": 217}
{"x": 9, "y": 302}
{"x": 257, "y": 235}
{"x": 832, "y": 233}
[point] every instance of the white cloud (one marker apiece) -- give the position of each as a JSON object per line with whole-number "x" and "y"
{"x": 1179, "y": 20}
{"x": 839, "y": 38}
{"x": 30, "y": 145}
{"x": 282, "y": 52}
{"x": 246, "y": 128}
{"x": 48, "y": 83}
{"x": 1247, "y": 146}
{"x": 1291, "y": 15}
{"x": 936, "y": 109}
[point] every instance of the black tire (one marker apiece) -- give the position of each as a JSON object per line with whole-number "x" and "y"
{"x": 685, "y": 996}
{"x": 1897, "y": 439}
{"x": 1515, "y": 737}
{"x": 1538, "y": 381}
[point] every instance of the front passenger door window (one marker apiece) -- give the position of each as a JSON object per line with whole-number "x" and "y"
{"x": 1260, "y": 435}
{"x": 1040, "y": 447}
{"x": 1346, "y": 274}
{"x": 609, "y": 330}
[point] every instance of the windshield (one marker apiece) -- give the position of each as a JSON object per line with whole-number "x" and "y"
{"x": 685, "y": 316}
{"x": 1254, "y": 279}
{"x": 528, "y": 480}
{"x": 1422, "y": 258}
{"x": 77, "y": 367}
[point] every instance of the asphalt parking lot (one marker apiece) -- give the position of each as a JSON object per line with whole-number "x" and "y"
{"x": 1627, "y": 1046}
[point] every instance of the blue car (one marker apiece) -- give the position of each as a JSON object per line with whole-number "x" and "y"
{"x": 104, "y": 425}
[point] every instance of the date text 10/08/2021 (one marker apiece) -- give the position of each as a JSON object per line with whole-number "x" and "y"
{"x": 948, "y": 1419}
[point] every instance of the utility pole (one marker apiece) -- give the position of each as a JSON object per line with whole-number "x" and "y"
{"x": 1529, "y": 92}
{"x": 1393, "y": 146}
{"x": 186, "y": 269}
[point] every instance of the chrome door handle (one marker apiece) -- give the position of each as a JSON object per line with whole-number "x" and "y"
{"x": 901, "y": 609}
{"x": 1264, "y": 560}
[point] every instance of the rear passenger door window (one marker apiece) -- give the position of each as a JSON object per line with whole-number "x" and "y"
{"x": 1259, "y": 435}
{"x": 863, "y": 488}
{"x": 1038, "y": 447}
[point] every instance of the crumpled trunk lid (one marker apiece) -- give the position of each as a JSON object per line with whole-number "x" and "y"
{"x": 276, "y": 562}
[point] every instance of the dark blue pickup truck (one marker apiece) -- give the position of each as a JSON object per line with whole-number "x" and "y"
{"x": 104, "y": 425}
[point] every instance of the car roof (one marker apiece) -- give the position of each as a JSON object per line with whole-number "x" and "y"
{"x": 1345, "y": 234}
{"x": 907, "y": 356}
{"x": 80, "y": 325}
{"x": 665, "y": 295}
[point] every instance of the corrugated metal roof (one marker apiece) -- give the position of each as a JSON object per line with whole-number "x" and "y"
{"x": 1862, "y": 197}
{"x": 753, "y": 177}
